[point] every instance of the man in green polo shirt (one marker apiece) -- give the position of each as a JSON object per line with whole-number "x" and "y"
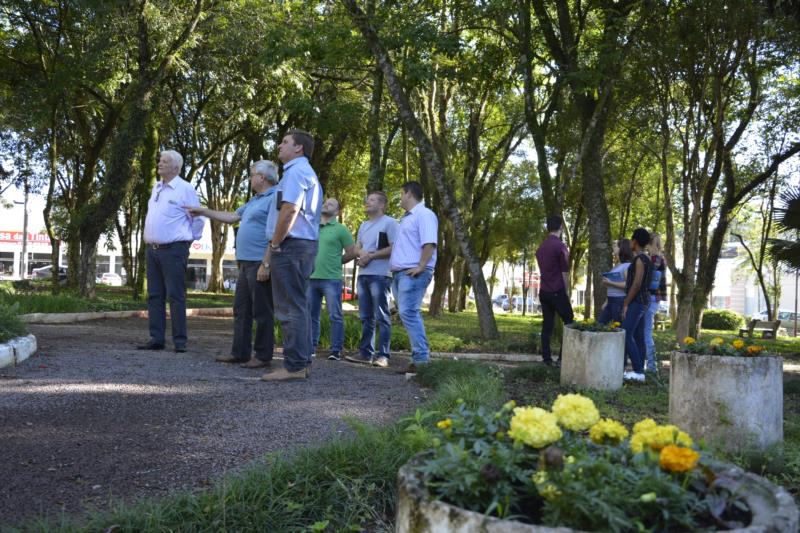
{"x": 326, "y": 280}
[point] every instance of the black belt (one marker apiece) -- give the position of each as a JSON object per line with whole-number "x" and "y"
{"x": 158, "y": 246}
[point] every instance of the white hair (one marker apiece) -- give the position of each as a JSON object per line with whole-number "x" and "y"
{"x": 268, "y": 169}
{"x": 175, "y": 157}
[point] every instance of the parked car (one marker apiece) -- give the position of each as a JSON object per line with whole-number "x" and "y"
{"x": 110, "y": 278}
{"x": 516, "y": 301}
{"x": 782, "y": 314}
{"x": 46, "y": 272}
{"x": 347, "y": 293}
{"x": 501, "y": 300}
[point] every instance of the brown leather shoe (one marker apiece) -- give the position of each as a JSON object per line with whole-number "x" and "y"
{"x": 255, "y": 363}
{"x": 281, "y": 374}
{"x": 228, "y": 359}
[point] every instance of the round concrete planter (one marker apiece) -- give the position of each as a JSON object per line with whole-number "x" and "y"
{"x": 774, "y": 510}
{"x": 736, "y": 402}
{"x": 593, "y": 359}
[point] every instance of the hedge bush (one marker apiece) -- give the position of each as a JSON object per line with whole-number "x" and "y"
{"x": 10, "y": 324}
{"x": 722, "y": 319}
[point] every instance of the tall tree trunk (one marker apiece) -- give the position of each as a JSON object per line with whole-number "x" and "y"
{"x": 219, "y": 240}
{"x": 52, "y": 160}
{"x": 587, "y": 298}
{"x": 375, "y": 179}
{"x": 486, "y": 321}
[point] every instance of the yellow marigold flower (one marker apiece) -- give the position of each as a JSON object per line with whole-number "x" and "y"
{"x": 717, "y": 341}
{"x": 589, "y": 321}
{"x": 608, "y": 430}
{"x": 644, "y": 425}
{"x": 738, "y": 344}
{"x": 575, "y": 412}
{"x": 570, "y": 459}
{"x": 444, "y": 424}
{"x": 657, "y": 437}
{"x": 677, "y": 459}
{"x": 615, "y": 325}
{"x": 754, "y": 349}
{"x": 689, "y": 340}
{"x": 534, "y": 426}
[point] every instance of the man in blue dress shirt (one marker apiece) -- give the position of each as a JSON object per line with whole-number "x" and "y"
{"x": 169, "y": 230}
{"x": 253, "y": 298}
{"x": 289, "y": 259}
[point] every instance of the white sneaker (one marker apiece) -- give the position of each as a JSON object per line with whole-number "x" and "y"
{"x": 633, "y": 376}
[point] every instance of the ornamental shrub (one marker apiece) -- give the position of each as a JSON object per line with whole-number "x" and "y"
{"x": 11, "y": 325}
{"x": 722, "y": 319}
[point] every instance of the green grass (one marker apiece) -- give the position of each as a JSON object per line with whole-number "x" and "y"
{"x": 345, "y": 485}
{"x": 40, "y": 300}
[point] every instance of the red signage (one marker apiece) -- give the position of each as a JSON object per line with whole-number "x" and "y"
{"x": 16, "y": 237}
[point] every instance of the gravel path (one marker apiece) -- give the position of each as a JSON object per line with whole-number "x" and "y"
{"x": 91, "y": 418}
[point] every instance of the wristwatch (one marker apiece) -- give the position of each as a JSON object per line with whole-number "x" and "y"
{"x": 273, "y": 246}
{"x": 264, "y": 264}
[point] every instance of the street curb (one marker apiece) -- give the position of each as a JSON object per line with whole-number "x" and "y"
{"x": 501, "y": 357}
{"x": 68, "y": 318}
{"x": 17, "y": 350}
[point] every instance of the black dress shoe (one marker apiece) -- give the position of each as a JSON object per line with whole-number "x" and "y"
{"x": 150, "y": 346}
{"x": 180, "y": 349}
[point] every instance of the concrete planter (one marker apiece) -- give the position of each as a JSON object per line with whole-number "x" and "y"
{"x": 17, "y": 350}
{"x": 774, "y": 510}
{"x": 733, "y": 401}
{"x": 593, "y": 359}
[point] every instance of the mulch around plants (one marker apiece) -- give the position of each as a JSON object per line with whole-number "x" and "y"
{"x": 90, "y": 419}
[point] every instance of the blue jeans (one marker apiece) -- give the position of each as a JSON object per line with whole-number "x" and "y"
{"x": 612, "y": 310}
{"x": 331, "y": 289}
{"x": 633, "y": 324}
{"x": 408, "y": 291}
{"x": 291, "y": 267}
{"x": 373, "y": 306}
{"x": 650, "y": 345}
{"x": 166, "y": 275}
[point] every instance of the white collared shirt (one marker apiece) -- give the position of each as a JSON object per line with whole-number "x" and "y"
{"x": 167, "y": 221}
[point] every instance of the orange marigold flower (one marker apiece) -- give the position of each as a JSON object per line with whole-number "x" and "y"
{"x": 754, "y": 349}
{"x": 677, "y": 458}
{"x": 689, "y": 340}
{"x": 738, "y": 344}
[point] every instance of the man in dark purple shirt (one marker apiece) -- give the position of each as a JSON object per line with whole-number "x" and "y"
{"x": 553, "y": 259}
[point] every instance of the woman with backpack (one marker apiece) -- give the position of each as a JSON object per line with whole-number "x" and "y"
{"x": 658, "y": 293}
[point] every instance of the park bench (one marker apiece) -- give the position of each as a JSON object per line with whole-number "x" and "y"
{"x": 768, "y": 328}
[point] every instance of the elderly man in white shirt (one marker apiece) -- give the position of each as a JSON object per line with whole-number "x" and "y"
{"x": 169, "y": 230}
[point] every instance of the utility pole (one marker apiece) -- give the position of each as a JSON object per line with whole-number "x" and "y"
{"x": 23, "y": 260}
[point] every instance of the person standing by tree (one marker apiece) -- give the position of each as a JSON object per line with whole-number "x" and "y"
{"x": 169, "y": 230}
{"x": 253, "y": 298}
{"x": 326, "y": 280}
{"x": 635, "y": 303}
{"x": 289, "y": 258}
{"x": 374, "y": 247}
{"x": 553, "y": 259}
{"x": 412, "y": 260}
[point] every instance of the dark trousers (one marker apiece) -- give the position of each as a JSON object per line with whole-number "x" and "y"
{"x": 252, "y": 302}
{"x": 291, "y": 267}
{"x": 166, "y": 272}
{"x": 552, "y": 303}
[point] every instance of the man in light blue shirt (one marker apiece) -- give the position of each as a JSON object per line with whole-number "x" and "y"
{"x": 253, "y": 298}
{"x": 289, "y": 259}
{"x": 412, "y": 260}
{"x": 169, "y": 230}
